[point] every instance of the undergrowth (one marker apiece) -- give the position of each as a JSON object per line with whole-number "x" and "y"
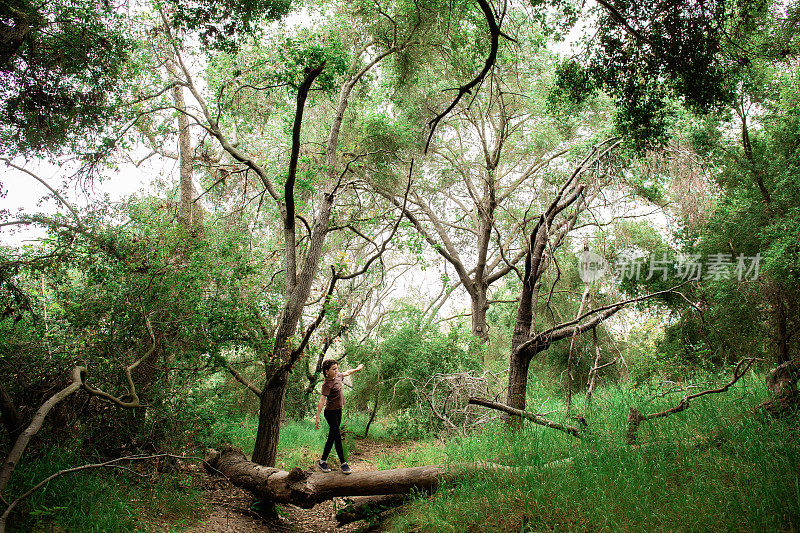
{"x": 100, "y": 500}
{"x": 715, "y": 466}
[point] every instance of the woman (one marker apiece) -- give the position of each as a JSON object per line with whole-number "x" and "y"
{"x": 332, "y": 400}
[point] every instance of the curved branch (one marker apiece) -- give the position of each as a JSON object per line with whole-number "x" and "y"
{"x": 78, "y": 381}
{"x": 52, "y": 190}
{"x": 36, "y": 424}
{"x": 494, "y": 34}
{"x": 108, "y": 464}
{"x": 131, "y": 386}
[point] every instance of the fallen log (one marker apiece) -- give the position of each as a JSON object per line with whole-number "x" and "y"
{"x": 306, "y": 489}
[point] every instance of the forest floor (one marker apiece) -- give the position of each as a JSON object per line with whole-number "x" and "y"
{"x": 229, "y": 506}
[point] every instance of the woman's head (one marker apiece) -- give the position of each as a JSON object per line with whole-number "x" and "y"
{"x": 330, "y": 368}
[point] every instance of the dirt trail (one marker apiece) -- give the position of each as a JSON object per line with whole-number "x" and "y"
{"x": 229, "y": 506}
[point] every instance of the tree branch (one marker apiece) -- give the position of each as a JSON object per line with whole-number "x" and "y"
{"x": 288, "y": 190}
{"x": 535, "y": 418}
{"x": 494, "y": 34}
{"x": 243, "y": 380}
{"x": 635, "y": 417}
{"x": 52, "y": 190}
{"x": 128, "y": 377}
{"x": 108, "y": 464}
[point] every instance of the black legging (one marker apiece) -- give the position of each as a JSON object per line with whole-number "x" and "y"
{"x": 334, "y": 418}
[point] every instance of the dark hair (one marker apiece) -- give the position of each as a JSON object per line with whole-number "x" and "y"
{"x": 326, "y": 364}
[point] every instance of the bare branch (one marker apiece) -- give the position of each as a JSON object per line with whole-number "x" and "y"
{"x": 563, "y": 330}
{"x": 52, "y": 190}
{"x": 134, "y": 402}
{"x": 535, "y": 418}
{"x": 494, "y": 35}
{"x": 635, "y": 417}
{"x": 388, "y": 239}
{"x": 36, "y": 424}
{"x": 113, "y": 463}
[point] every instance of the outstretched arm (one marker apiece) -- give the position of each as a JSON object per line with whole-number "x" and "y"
{"x": 354, "y": 370}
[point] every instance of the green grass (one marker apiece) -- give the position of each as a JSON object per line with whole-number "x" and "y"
{"x": 707, "y": 468}
{"x": 98, "y": 500}
{"x": 714, "y": 466}
{"x": 356, "y": 424}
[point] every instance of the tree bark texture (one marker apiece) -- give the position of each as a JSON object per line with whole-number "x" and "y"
{"x": 480, "y": 304}
{"x": 269, "y": 419}
{"x": 190, "y": 213}
{"x": 782, "y": 383}
{"x": 517, "y": 384}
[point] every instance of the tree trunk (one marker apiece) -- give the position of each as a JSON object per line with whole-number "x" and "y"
{"x": 185, "y": 160}
{"x": 480, "y": 304}
{"x": 371, "y": 508}
{"x": 783, "y": 340}
{"x": 10, "y": 415}
{"x": 372, "y": 415}
{"x": 190, "y": 214}
{"x": 782, "y": 383}
{"x": 269, "y": 419}
{"x": 517, "y": 385}
{"x": 306, "y": 489}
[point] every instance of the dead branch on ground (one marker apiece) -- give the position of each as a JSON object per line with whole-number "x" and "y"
{"x": 636, "y": 417}
{"x": 533, "y": 417}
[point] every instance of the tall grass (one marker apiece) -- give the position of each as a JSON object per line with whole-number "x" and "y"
{"x": 98, "y": 501}
{"x": 713, "y": 467}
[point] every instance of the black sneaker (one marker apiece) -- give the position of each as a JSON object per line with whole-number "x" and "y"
{"x": 323, "y": 465}
{"x": 346, "y": 469}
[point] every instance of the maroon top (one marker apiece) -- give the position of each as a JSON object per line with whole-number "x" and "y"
{"x": 332, "y": 389}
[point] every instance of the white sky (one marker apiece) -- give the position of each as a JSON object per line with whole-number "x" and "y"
{"x": 24, "y": 194}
